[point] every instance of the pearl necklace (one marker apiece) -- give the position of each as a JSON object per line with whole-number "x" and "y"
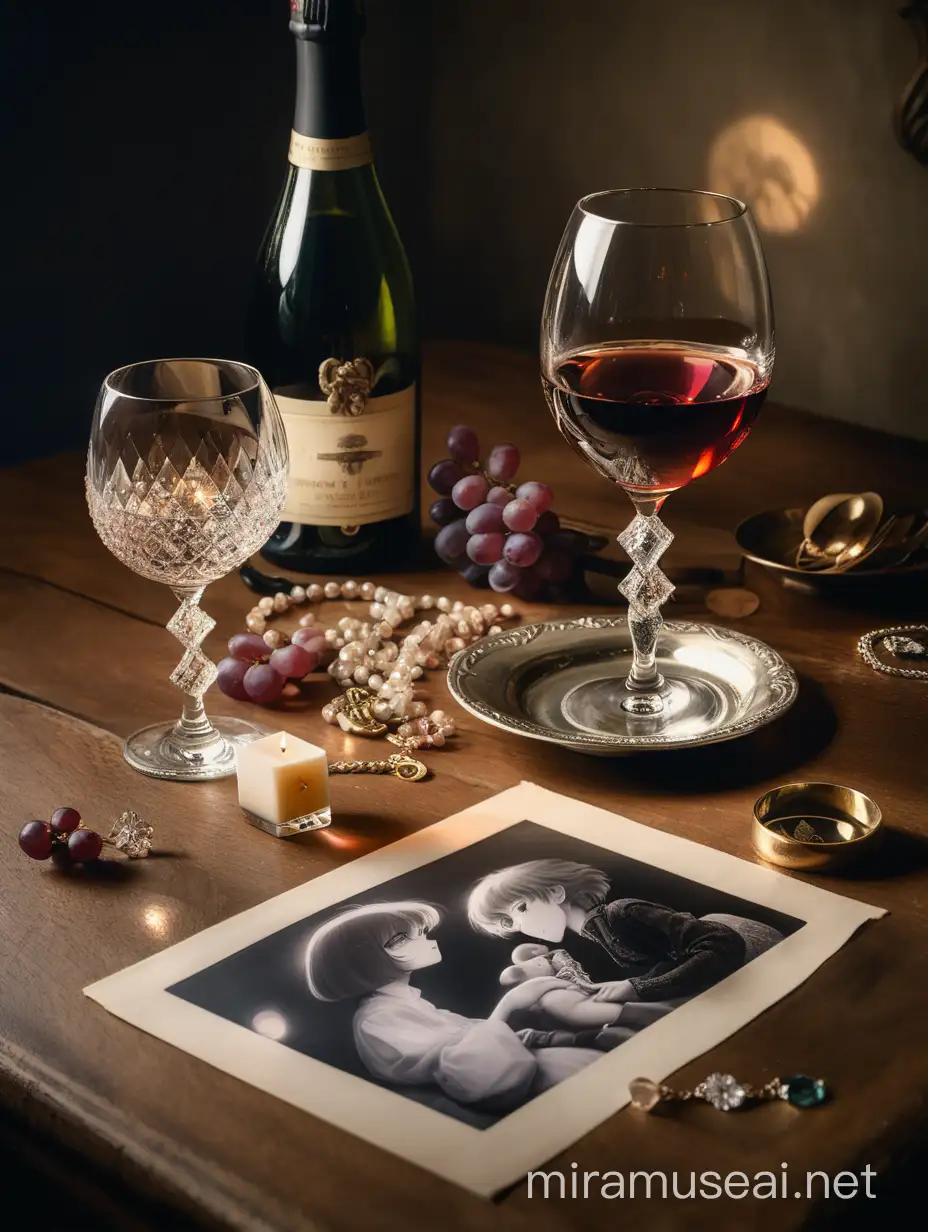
{"x": 366, "y": 655}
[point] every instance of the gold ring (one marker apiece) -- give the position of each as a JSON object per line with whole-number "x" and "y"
{"x": 815, "y": 826}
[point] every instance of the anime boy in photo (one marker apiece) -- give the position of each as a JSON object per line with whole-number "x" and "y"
{"x": 662, "y": 954}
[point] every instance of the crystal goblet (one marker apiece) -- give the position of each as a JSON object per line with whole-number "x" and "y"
{"x": 657, "y": 348}
{"x": 186, "y": 479}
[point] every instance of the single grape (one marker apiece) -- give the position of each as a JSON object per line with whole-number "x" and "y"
{"x": 249, "y": 647}
{"x": 84, "y": 846}
{"x": 470, "y": 492}
{"x": 499, "y": 496}
{"x": 484, "y": 519}
{"x": 463, "y": 444}
{"x": 293, "y": 662}
{"x": 64, "y": 820}
{"x": 231, "y": 678}
{"x": 548, "y": 523}
{"x": 537, "y": 494}
{"x": 553, "y": 566}
{"x": 444, "y": 475}
{"x": 312, "y": 640}
{"x": 485, "y": 549}
{"x": 503, "y": 462}
{"x": 451, "y": 541}
{"x": 475, "y": 574}
{"x": 523, "y": 549}
{"x": 443, "y": 511}
{"x": 520, "y": 515}
{"x": 263, "y": 684}
{"x": 35, "y": 838}
{"x": 504, "y": 576}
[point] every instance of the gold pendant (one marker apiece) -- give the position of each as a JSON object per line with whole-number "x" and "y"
{"x": 354, "y": 715}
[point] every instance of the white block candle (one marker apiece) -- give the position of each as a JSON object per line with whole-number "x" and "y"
{"x": 283, "y": 784}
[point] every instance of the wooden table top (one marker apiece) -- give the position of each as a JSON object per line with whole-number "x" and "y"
{"x": 84, "y": 660}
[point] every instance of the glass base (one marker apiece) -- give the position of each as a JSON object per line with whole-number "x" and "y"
{"x": 287, "y": 829}
{"x": 156, "y": 751}
{"x": 689, "y": 705}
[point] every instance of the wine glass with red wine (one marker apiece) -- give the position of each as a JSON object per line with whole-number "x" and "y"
{"x": 657, "y": 348}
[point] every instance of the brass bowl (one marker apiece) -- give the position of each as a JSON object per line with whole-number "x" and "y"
{"x": 772, "y": 539}
{"x": 815, "y": 827}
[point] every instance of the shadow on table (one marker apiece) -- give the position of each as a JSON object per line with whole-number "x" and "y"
{"x": 784, "y": 746}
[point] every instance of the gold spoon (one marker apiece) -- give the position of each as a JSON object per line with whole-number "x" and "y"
{"x": 841, "y": 524}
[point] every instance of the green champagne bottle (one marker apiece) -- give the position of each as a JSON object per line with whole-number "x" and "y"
{"x": 332, "y": 323}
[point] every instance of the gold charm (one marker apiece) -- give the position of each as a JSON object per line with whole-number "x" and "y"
{"x": 131, "y": 835}
{"x": 399, "y": 765}
{"x": 347, "y": 385}
{"x": 353, "y": 713}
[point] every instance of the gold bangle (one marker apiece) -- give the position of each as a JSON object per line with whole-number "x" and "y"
{"x": 815, "y": 826}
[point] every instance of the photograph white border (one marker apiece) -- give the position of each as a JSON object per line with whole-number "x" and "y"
{"x": 487, "y": 1160}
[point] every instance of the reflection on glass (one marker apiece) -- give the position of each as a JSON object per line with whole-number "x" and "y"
{"x": 270, "y": 1023}
{"x": 761, "y": 161}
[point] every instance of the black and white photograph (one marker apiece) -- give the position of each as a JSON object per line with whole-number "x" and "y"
{"x": 479, "y": 981}
{"x": 476, "y": 996}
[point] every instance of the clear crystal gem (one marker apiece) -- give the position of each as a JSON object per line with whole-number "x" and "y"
{"x": 194, "y": 673}
{"x": 905, "y": 647}
{"x": 725, "y": 1092}
{"x": 645, "y": 1094}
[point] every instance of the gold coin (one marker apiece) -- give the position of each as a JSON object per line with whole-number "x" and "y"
{"x": 732, "y": 601}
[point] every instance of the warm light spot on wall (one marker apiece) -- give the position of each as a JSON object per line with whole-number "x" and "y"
{"x": 761, "y": 161}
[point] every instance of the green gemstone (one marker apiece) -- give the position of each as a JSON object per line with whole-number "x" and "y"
{"x": 805, "y": 1092}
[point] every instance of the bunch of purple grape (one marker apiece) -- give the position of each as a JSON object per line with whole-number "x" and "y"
{"x": 493, "y": 532}
{"x": 255, "y": 673}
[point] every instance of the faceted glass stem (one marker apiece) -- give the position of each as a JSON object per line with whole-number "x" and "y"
{"x": 646, "y": 588}
{"x": 193, "y": 733}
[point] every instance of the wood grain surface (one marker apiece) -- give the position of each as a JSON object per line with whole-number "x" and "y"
{"x": 84, "y": 660}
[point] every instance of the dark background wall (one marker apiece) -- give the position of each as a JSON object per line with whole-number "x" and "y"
{"x": 144, "y": 147}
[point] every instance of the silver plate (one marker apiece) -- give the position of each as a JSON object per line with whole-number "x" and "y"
{"x": 560, "y": 681}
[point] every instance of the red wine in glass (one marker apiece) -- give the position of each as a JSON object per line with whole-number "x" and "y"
{"x": 655, "y": 415}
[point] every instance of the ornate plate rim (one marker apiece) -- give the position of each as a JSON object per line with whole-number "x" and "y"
{"x": 781, "y": 679}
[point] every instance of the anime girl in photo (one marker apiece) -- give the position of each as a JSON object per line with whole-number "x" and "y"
{"x": 662, "y": 954}
{"x": 368, "y": 954}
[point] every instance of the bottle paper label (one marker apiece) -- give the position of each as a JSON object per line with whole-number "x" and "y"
{"x": 330, "y": 153}
{"x": 350, "y": 470}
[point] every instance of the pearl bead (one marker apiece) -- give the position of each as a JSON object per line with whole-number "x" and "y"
{"x": 331, "y": 590}
{"x": 375, "y": 681}
{"x": 494, "y": 629}
{"x": 266, "y": 604}
{"x": 489, "y": 612}
{"x": 384, "y": 629}
{"x": 298, "y": 594}
{"x": 415, "y": 673}
{"x": 438, "y": 716}
{"x": 331, "y": 636}
{"x": 462, "y": 628}
{"x": 457, "y": 606}
{"x": 377, "y": 610}
{"x": 273, "y": 638}
{"x": 453, "y": 645}
{"x": 329, "y": 713}
{"x": 426, "y": 602}
{"x": 507, "y": 610}
{"x": 362, "y": 674}
{"x": 443, "y": 604}
{"x": 392, "y": 616}
{"x": 435, "y": 739}
{"x": 307, "y": 620}
{"x": 367, "y": 591}
{"x": 255, "y": 624}
{"x": 350, "y": 590}
{"x": 381, "y": 710}
{"x": 338, "y": 643}
{"x": 417, "y": 710}
{"x": 314, "y": 592}
{"x": 380, "y": 593}
{"x": 281, "y": 602}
